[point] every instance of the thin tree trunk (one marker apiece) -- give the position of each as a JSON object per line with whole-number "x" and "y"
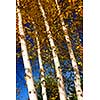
{"x": 44, "y": 95}
{"x": 28, "y": 71}
{"x": 61, "y": 88}
{"x": 72, "y": 57}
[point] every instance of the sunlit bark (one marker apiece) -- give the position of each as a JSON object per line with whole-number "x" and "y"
{"x": 72, "y": 57}
{"x": 61, "y": 88}
{"x": 27, "y": 66}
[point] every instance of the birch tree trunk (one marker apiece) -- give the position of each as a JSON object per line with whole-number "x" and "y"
{"x": 27, "y": 66}
{"x": 44, "y": 95}
{"x": 61, "y": 88}
{"x": 72, "y": 57}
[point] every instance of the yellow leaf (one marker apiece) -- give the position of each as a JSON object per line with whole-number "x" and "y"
{"x": 77, "y": 47}
{"x": 30, "y": 57}
{"x": 80, "y": 63}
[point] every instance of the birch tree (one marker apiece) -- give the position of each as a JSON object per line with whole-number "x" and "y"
{"x": 44, "y": 95}
{"x": 61, "y": 88}
{"x": 27, "y": 66}
{"x": 30, "y": 12}
{"x": 72, "y": 57}
{"x": 42, "y": 72}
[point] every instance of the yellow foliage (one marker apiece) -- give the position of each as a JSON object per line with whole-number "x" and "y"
{"x": 77, "y": 47}
{"x": 80, "y": 63}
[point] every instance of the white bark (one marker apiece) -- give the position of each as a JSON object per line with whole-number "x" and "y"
{"x": 44, "y": 95}
{"x": 28, "y": 71}
{"x": 61, "y": 88}
{"x": 72, "y": 57}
